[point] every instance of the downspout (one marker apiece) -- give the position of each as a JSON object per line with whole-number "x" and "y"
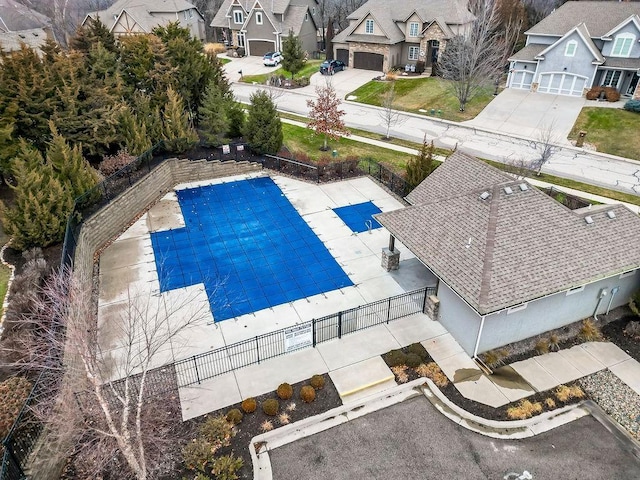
{"x": 601, "y": 295}
{"x": 614, "y": 290}
{"x": 475, "y": 349}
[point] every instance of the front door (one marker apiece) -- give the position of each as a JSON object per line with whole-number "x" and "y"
{"x": 611, "y": 78}
{"x": 632, "y": 85}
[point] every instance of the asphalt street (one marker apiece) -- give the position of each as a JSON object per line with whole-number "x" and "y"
{"x": 591, "y": 167}
{"x": 413, "y": 440}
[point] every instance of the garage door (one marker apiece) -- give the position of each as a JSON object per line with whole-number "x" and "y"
{"x": 521, "y": 79}
{"x": 258, "y": 48}
{"x": 368, "y": 61}
{"x": 342, "y": 54}
{"x": 562, "y": 83}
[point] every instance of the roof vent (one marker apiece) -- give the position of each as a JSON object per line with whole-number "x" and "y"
{"x": 611, "y": 214}
{"x": 524, "y": 187}
{"x": 508, "y": 190}
{"x": 588, "y": 219}
{"x": 484, "y": 195}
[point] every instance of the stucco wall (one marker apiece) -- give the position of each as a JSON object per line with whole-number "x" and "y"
{"x": 538, "y": 317}
{"x": 579, "y": 64}
{"x": 635, "y": 46}
{"x": 361, "y": 30}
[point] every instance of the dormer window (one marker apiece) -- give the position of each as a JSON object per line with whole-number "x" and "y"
{"x": 622, "y": 45}
{"x": 258, "y": 18}
{"x": 368, "y": 26}
{"x": 570, "y": 49}
{"x": 238, "y": 17}
{"x": 414, "y": 29}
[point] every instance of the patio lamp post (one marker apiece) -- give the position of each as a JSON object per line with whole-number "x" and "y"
{"x": 240, "y": 72}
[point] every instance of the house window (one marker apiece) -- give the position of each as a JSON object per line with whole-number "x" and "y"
{"x": 259, "y": 18}
{"x": 368, "y": 26}
{"x": 313, "y": 11}
{"x": 413, "y": 29}
{"x": 191, "y": 13}
{"x": 622, "y": 45}
{"x": 570, "y": 50}
{"x": 517, "y": 308}
{"x": 306, "y": 17}
{"x": 413, "y": 53}
{"x": 238, "y": 17}
{"x": 627, "y": 274}
{"x": 241, "y": 40}
{"x": 611, "y": 78}
{"x": 575, "y": 290}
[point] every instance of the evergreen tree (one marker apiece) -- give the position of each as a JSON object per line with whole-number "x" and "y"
{"x": 422, "y": 165}
{"x": 263, "y": 129}
{"x": 147, "y": 115}
{"x": 293, "y": 56}
{"x": 8, "y": 143}
{"x": 177, "y": 133}
{"x": 236, "y": 119}
{"x": 133, "y": 132}
{"x": 91, "y": 34}
{"x": 213, "y": 115}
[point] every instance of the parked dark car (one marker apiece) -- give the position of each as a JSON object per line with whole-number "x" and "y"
{"x": 329, "y": 67}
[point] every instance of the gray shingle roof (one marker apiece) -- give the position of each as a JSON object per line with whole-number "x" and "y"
{"x": 15, "y": 17}
{"x": 387, "y": 13}
{"x": 599, "y": 17}
{"x": 509, "y": 248}
{"x": 528, "y": 53}
{"x": 617, "y": 62}
{"x": 142, "y": 11}
{"x": 12, "y": 41}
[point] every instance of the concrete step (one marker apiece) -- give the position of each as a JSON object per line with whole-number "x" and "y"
{"x": 362, "y": 379}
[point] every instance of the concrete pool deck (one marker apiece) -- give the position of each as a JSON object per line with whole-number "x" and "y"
{"x": 128, "y": 273}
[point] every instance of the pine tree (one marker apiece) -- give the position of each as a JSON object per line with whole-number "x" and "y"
{"x": 213, "y": 115}
{"x": 293, "y": 56}
{"x": 177, "y": 133}
{"x": 147, "y": 115}
{"x": 133, "y": 132}
{"x": 236, "y": 119}
{"x": 422, "y": 165}
{"x": 263, "y": 129}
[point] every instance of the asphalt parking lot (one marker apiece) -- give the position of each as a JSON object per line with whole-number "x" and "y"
{"x": 413, "y": 440}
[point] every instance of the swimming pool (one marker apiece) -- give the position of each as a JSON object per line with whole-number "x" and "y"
{"x": 248, "y": 245}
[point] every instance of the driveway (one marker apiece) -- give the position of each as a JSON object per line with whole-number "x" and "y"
{"x": 526, "y": 114}
{"x": 413, "y": 440}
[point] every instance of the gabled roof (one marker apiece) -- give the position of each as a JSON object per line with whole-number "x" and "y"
{"x": 279, "y": 7}
{"x": 257, "y": 6}
{"x": 632, "y": 19}
{"x": 387, "y": 13}
{"x": 509, "y": 248}
{"x": 599, "y": 17}
{"x": 446, "y": 30}
{"x": 33, "y": 38}
{"x": 528, "y": 53}
{"x": 15, "y": 17}
{"x": 583, "y": 33}
{"x": 142, "y": 11}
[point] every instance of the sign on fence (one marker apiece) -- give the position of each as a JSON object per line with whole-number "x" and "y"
{"x": 297, "y": 337}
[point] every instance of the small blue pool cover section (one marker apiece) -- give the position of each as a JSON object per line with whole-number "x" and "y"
{"x": 357, "y": 216}
{"x": 248, "y": 245}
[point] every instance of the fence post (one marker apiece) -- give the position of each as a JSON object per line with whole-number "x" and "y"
{"x": 257, "y": 349}
{"x": 424, "y": 300}
{"x": 195, "y": 363}
{"x": 313, "y": 331}
{"x": 340, "y": 324}
{"x": 389, "y": 310}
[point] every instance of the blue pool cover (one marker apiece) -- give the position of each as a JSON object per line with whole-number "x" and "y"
{"x": 248, "y": 245}
{"x": 356, "y": 216}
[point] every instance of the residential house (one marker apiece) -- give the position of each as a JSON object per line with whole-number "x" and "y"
{"x": 20, "y": 25}
{"x": 127, "y": 17}
{"x": 581, "y": 45}
{"x": 259, "y": 26}
{"x": 382, "y": 34}
{"x": 512, "y": 262}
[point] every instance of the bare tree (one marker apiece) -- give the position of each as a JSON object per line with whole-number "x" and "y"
{"x": 539, "y": 9}
{"x": 476, "y": 59}
{"x": 389, "y": 116}
{"x": 122, "y": 412}
{"x": 546, "y": 145}
{"x": 325, "y": 116}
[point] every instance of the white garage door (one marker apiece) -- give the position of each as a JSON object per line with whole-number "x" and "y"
{"x": 521, "y": 79}
{"x": 562, "y": 83}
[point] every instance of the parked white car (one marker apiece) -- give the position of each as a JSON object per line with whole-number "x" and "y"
{"x": 271, "y": 59}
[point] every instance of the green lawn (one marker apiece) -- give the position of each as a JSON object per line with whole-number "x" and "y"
{"x": 424, "y": 93}
{"x": 610, "y": 130}
{"x": 5, "y": 272}
{"x": 299, "y": 139}
{"x": 311, "y": 67}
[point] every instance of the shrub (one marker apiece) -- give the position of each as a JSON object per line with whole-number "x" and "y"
{"x": 418, "y": 349}
{"x": 634, "y": 304}
{"x": 249, "y": 405}
{"x": 589, "y": 332}
{"x": 564, "y": 393}
{"x": 284, "y": 418}
{"x": 550, "y": 403}
{"x": 266, "y": 426}
{"x": 110, "y": 164}
{"x": 13, "y": 393}
{"x": 542, "y": 346}
{"x": 632, "y": 106}
{"x": 270, "y": 407}
{"x": 234, "y": 416}
{"x": 197, "y": 454}
{"x": 594, "y": 93}
{"x": 291, "y": 407}
{"x": 307, "y": 394}
{"x": 214, "y": 48}
{"x": 413, "y": 360}
{"x": 524, "y": 409}
{"x": 554, "y": 342}
{"x": 226, "y": 466}
{"x": 284, "y": 391}
{"x": 633, "y": 330}
{"x": 317, "y": 382}
{"x": 395, "y": 358}
{"x": 432, "y": 371}
{"x": 495, "y": 358}
{"x": 217, "y": 432}
{"x": 401, "y": 373}
{"x": 611, "y": 94}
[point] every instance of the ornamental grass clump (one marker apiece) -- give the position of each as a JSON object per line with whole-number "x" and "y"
{"x": 589, "y": 331}
{"x": 565, "y": 393}
{"x": 284, "y": 391}
{"x": 433, "y": 372}
{"x": 401, "y": 373}
{"x": 234, "y": 416}
{"x": 524, "y": 409}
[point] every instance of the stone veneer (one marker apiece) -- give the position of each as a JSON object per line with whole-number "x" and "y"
{"x": 432, "y": 307}
{"x": 434, "y": 32}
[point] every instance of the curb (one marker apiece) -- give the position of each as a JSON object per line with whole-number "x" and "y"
{"x": 261, "y": 444}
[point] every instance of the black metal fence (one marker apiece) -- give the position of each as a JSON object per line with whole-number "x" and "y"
{"x": 196, "y": 369}
{"x": 570, "y": 201}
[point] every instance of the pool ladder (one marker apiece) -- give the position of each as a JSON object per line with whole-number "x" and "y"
{"x": 369, "y": 225}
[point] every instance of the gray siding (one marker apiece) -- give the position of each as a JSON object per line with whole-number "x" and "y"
{"x": 538, "y": 317}
{"x": 628, "y": 28}
{"x": 541, "y": 39}
{"x": 308, "y": 35}
{"x": 580, "y": 64}
{"x": 260, "y": 32}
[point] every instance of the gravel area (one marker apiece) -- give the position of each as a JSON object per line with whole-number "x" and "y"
{"x": 615, "y": 398}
